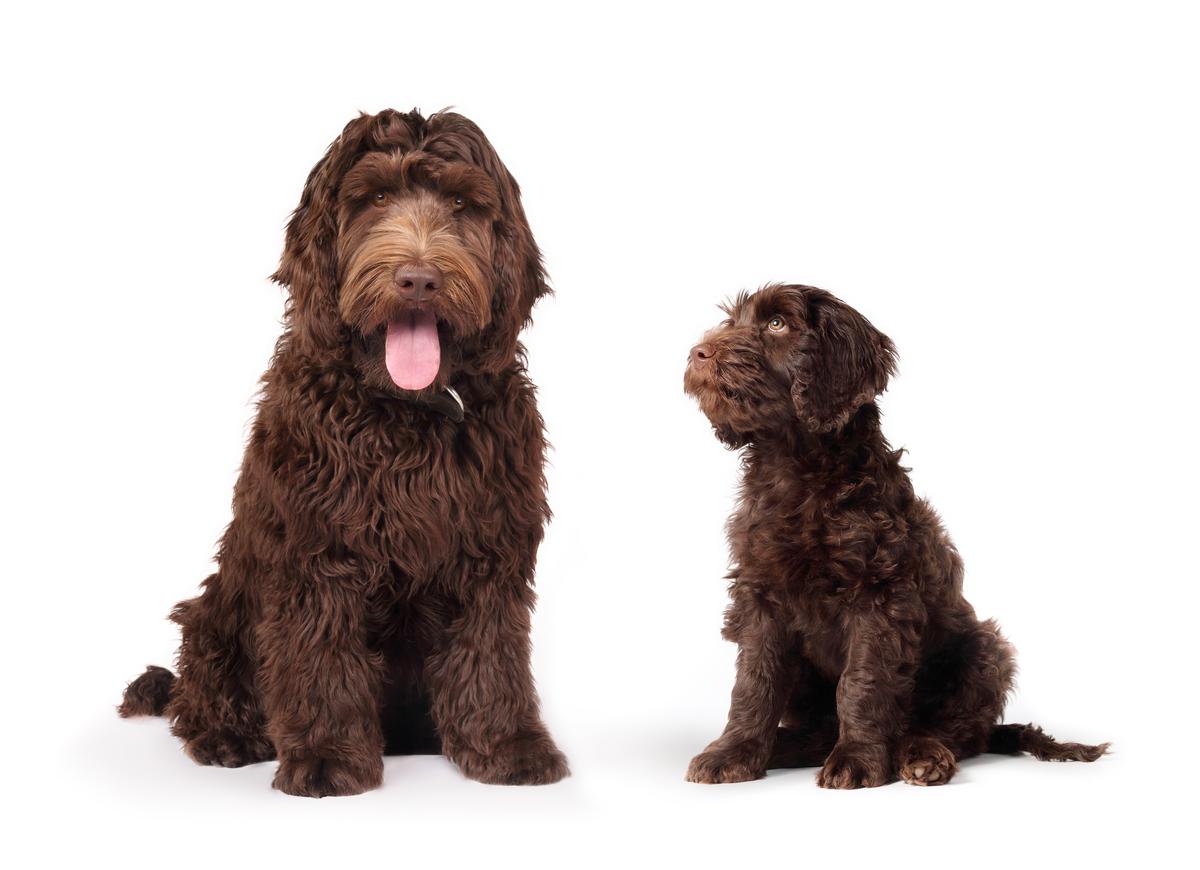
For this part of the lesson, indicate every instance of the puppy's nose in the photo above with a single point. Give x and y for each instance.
(702, 353)
(418, 282)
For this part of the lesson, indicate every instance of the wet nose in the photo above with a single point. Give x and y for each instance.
(418, 282)
(701, 353)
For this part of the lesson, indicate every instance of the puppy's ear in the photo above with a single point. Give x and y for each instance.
(309, 267)
(841, 363)
(518, 275)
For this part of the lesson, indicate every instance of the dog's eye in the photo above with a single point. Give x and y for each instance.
(776, 324)
(378, 198)
(459, 202)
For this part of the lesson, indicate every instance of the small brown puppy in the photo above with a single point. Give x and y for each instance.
(857, 650)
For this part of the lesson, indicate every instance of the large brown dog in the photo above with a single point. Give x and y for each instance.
(847, 593)
(374, 588)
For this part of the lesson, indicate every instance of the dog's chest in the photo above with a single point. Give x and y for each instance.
(812, 538)
(428, 498)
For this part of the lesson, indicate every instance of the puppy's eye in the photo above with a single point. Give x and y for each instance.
(776, 324)
(378, 198)
(459, 202)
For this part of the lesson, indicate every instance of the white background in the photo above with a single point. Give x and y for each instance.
(1009, 191)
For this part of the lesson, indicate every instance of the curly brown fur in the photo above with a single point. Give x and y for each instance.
(374, 587)
(857, 651)
(148, 694)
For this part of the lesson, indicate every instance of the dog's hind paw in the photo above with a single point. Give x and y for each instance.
(227, 748)
(926, 761)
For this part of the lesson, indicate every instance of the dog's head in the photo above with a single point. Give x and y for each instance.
(410, 247)
(787, 355)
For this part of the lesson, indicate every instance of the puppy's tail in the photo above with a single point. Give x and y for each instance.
(148, 694)
(1015, 739)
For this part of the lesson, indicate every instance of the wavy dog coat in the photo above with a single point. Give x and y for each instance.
(374, 587)
(858, 653)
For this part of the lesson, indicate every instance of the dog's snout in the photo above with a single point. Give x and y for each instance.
(418, 282)
(702, 353)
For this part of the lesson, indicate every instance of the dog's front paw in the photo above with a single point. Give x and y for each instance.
(529, 758)
(719, 763)
(855, 765)
(311, 775)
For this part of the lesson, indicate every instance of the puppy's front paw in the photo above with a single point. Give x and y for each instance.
(311, 775)
(855, 765)
(529, 758)
(719, 764)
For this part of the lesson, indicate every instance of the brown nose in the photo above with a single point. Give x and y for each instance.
(701, 353)
(418, 282)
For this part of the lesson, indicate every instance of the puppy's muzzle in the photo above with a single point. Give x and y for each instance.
(701, 354)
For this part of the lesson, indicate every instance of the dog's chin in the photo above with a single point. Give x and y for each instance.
(735, 420)
(715, 406)
(697, 384)
(728, 422)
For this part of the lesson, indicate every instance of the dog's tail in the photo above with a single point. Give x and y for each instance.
(148, 694)
(1015, 739)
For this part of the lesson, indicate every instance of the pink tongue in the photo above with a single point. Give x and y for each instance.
(413, 353)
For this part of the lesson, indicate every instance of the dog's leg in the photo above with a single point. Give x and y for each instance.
(213, 708)
(958, 698)
(321, 684)
(874, 693)
(484, 701)
(764, 666)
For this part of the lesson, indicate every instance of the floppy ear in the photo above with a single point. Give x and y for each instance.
(309, 267)
(842, 362)
(518, 275)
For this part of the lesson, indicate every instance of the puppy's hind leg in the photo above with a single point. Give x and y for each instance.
(959, 695)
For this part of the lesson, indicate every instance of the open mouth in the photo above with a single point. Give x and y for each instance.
(413, 351)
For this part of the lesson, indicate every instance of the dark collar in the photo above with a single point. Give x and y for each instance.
(448, 403)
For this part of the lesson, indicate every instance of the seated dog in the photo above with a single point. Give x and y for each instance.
(374, 588)
(857, 651)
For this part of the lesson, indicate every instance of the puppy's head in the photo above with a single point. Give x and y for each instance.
(410, 247)
(787, 356)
